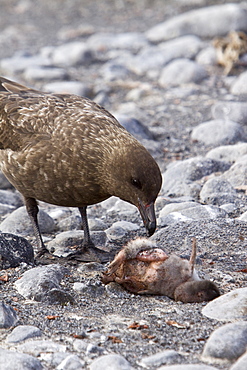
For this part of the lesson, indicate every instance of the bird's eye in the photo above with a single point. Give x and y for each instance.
(136, 183)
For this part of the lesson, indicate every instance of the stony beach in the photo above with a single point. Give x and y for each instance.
(155, 66)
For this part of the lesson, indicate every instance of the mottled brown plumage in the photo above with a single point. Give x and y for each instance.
(67, 150)
(144, 268)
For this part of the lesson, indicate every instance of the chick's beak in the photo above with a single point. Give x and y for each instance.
(148, 216)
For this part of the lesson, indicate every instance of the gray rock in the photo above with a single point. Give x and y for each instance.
(228, 307)
(196, 22)
(14, 250)
(8, 316)
(115, 233)
(10, 198)
(42, 284)
(36, 347)
(113, 70)
(133, 41)
(228, 153)
(207, 57)
(72, 54)
(93, 288)
(18, 222)
(182, 71)
(179, 178)
(45, 73)
(232, 110)
(237, 173)
(68, 87)
(218, 191)
(23, 332)
(240, 364)
(188, 367)
(115, 290)
(53, 359)
(239, 86)
(218, 132)
(71, 362)
(20, 62)
(226, 344)
(161, 358)
(96, 224)
(128, 226)
(18, 361)
(153, 58)
(176, 207)
(193, 213)
(110, 362)
(66, 243)
(243, 216)
(135, 127)
(117, 206)
(88, 348)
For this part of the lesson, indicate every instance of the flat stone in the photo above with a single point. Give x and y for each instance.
(232, 110)
(8, 316)
(182, 71)
(228, 307)
(72, 54)
(68, 87)
(228, 153)
(44, 73)
(240, 364)
(18, 361)
(72, 362)
(239, 86)
(15, 250)
(18, 222)
(36, 347)
(23, 332)
(195, 22)
(161, 358)
(218, 191)
(42, 284)
(226, 344)
(112, 361)
(217, 132)
(104, 41)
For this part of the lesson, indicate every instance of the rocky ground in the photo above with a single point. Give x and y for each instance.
(158, 73)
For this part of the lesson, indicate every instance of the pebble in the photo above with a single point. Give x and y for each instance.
(42, 284)
(18, 361)
(36, 347)
(68, 87)
(218, 191)
(228, 153)
(218, 132)
(239, 86)
(110, 362)
(226, 344)
(195, 22)
(8, 316)
(240, 364)
(228, 307)
(18, 223)
(44, 74)
(182, 71)
(236, 175)
(14, 250)
(188, 367)
(165, 357)
(71, 362)
(232, 110)
(72, 54)
(23, 332)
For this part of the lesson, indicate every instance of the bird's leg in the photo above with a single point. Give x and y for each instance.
(32, 210)
(87, 240)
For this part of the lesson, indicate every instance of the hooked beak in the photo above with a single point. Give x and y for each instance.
(148, 216)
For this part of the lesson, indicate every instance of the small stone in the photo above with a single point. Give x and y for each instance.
(110, 362)
(237, 173)
(104, 41)
(71, 362)
(8, 316)
(36, 347)
(182, 71)
(72, 54)
(239, 87)
(19, 223)
(42, 284)
(207, 57)
(226, 344)
(68, 87)
(234, 111)
(23, 332)
(217, 132)
(128, 226)
(241, 363)
(196, 22)
(228, 307)
(96, 224)
(228, 153)
(14, 250)
(18, 361)
(45, 74)
(135, 127)
(218, 191)
(165, 357)
(90, 288)
(188, 367)
(115, 232)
